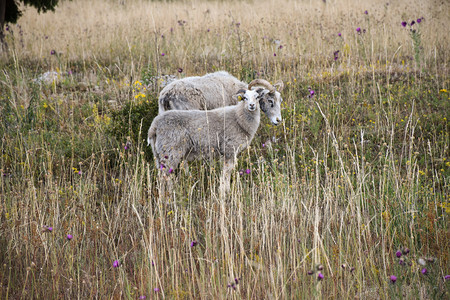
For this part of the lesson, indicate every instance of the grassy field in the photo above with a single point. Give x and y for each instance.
(348, 198)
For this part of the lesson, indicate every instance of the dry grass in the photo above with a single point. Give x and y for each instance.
(355, 173)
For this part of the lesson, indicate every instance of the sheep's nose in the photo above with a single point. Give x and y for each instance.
(252, 106)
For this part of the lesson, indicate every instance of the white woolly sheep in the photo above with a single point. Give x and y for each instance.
(215, 90)
(190, 134)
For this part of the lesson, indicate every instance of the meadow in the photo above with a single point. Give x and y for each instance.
(348, 198)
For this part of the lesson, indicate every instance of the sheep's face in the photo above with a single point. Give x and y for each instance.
(271, 105)
(250, 97)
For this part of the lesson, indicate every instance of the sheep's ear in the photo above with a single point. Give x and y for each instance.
(238, 97)
(279, 85)
(262, 92)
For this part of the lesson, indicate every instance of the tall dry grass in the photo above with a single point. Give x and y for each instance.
(356, 173)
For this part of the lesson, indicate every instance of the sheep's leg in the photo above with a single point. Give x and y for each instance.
(228, 167)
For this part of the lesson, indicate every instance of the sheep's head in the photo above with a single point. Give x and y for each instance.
(270, 98)
(250, 97)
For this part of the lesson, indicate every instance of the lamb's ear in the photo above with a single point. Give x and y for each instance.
(239, 95)
(279, 85)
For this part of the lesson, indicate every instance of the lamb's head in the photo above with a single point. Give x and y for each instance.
(270, 100)
(250, 97)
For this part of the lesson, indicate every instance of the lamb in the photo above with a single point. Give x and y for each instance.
(190, 134)
(215, 90)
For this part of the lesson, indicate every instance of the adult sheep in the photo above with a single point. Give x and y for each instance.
(216, 90)
(178, 135)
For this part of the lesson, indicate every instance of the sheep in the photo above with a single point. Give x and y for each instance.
(215, 90)
(190, 134)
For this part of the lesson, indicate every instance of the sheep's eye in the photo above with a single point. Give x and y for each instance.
(271, 102)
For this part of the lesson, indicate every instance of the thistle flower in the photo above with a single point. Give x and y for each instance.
(163, 54)
(419, 20)
(405, 251)
(170, 171)
(142, 297)
(339, 34)
(398, 253)
(248, 171)
(320, 276)
(413, 22)
(358, 30)
(447, 277)
(310, 272)
(156, 289)
(366, 12)
(393, 278)
(311, 92)
(116, 264)
(404, 24)
(424, 271)
(53, 52)
(194, 243)
(274, 54)
(180, 70)
(69, 237)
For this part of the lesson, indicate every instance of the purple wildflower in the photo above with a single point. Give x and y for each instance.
(419, 20)
(163, 54)
(241, 172)
(310, 272)
(352, 269)
(248, 171)
(156, 289)
(153, 263)
(142, 297)
(79, 172)
(116, 264)
(274, 54)
(405, 251)
(48, 228)
(162, 166)
(320, 276)
(180, 70)
(69, 72)
(53, 52)
(194, 243)
(7, 28)
(280, 47)
(447, 277)
(404, 24)
(401, 261)
(170, 171)
(358, 30)
(336, 55)
(413, 22)
(343, 266)
(311, 92)
(424, 271)
(393, 278)
(208, 30)
(366, 12)
(339, 34)
(398, 253)
(69, 237)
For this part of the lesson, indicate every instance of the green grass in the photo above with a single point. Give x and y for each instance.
(354, 174)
